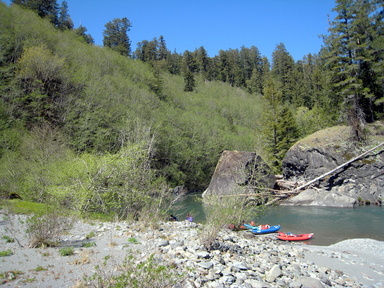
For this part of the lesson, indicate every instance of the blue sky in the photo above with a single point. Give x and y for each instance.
(214, 24)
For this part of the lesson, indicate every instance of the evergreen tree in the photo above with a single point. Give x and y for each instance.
(82, 32)
(163, 52)
(260, 71)
(279, 128)
(287, 133)
(272, 103)
(189, 81)
(174, 63)
(377, 56)
(254, 84)
(64, 20)
(229, 67)
(213, 69)
(282, 69)
(140, 52)
(250, 59)
(202, 61)
(116, 36)
(189, 67)
(350, 49)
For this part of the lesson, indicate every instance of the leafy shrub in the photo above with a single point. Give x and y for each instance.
(133, 240)
(6, 253)
(8, 239)
(223, 211)
(88, 244)
(40, 268)
(137, 274)
(90, 235)
(66, 251)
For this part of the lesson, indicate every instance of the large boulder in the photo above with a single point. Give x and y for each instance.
(362, 180)
(239, 172)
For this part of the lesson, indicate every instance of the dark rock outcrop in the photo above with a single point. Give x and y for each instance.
(361, 180)
(239, 172)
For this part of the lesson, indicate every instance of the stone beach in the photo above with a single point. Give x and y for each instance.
(238, 259)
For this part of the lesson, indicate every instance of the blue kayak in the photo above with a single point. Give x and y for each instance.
(264, 230)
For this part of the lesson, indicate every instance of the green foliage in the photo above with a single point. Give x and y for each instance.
(279, 129)
(90, 235)
(351, 56)
(40, 268)
(24, 207)
(66, 251)
(45, 9)
(134, 273)
(133, 240)
(223, 211)
(8, 239)
(88, 244)
(311, 120)
(6, 253)
(282, 69)
(98, 132)
(116, 36)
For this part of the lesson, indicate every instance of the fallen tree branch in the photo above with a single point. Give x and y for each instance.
(333, 170)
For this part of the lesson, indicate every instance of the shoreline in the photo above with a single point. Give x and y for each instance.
(241, 259)
(361, 257)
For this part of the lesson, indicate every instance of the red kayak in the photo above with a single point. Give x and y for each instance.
(294, 237)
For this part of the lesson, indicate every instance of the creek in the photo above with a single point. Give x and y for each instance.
(330, 224)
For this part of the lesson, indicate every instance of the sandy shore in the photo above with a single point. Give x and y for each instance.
(361, 259)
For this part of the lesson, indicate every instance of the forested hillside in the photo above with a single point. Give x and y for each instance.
(98, 128)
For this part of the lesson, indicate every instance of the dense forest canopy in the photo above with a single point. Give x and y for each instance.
(90, 125)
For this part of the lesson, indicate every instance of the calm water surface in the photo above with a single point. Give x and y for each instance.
(330, 225)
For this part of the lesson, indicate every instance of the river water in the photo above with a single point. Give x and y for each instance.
(330, 224)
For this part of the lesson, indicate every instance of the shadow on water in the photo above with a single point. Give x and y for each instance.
(330, 224)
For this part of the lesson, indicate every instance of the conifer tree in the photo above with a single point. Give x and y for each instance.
(64, 20)
(272, 103)
(250, 60)
(174, 63)
(350, 49)
(279, 128)
(202, 61)
(163, 52)
(287, 133)
(82, 31)
(189, 67)
(254, 84)
(116, 35)
(282, 69)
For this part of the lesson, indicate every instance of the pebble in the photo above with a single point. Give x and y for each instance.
(235, 260)
(240, 261)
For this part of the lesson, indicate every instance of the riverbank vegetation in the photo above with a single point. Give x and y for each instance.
(109, 129)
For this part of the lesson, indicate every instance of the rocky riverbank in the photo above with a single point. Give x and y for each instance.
(239, 259)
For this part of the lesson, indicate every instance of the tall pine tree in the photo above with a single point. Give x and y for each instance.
(282, 69)
(64, 20)
(189, 67)
(279, 128)
(351, 58)
(116, 36)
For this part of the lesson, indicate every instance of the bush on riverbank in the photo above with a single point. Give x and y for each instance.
(221, 212)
